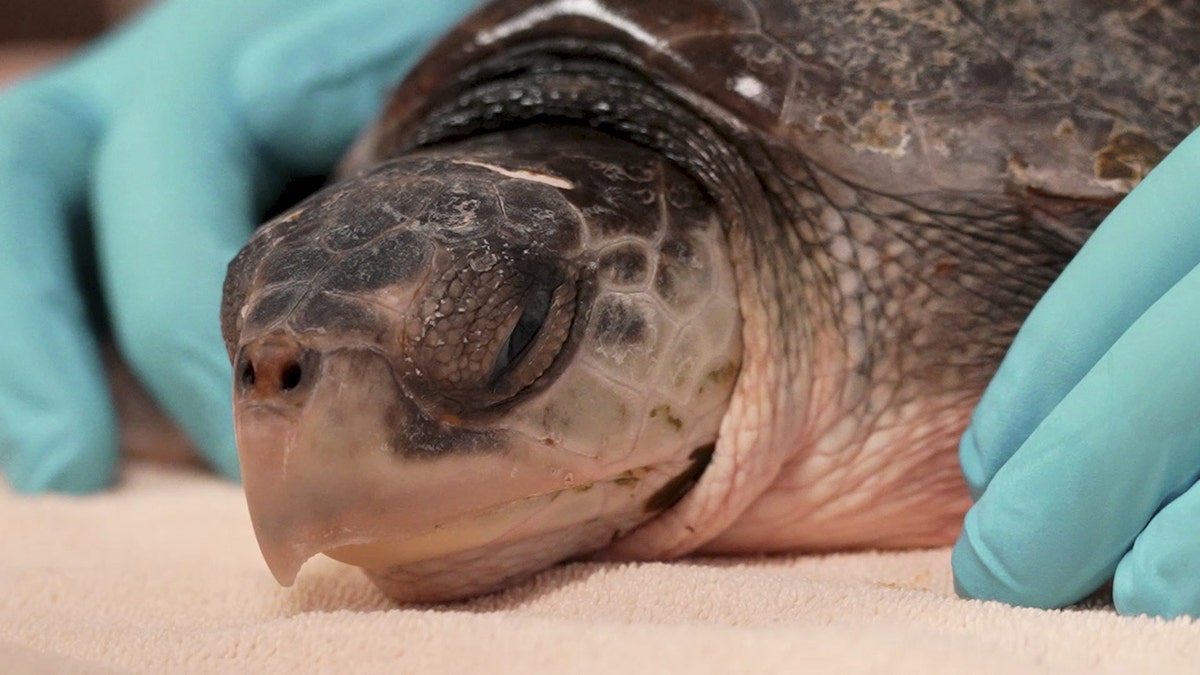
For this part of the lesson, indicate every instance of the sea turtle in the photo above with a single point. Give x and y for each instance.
(637, 279)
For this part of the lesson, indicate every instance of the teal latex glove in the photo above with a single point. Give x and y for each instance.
(1085, 449)
(150, 156)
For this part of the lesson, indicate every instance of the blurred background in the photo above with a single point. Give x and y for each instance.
(34, 33)
(59, 20)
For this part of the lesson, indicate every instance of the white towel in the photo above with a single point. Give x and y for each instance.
(163, 575)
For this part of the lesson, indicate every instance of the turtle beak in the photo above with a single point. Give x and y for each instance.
(336, 458)
(301, 439)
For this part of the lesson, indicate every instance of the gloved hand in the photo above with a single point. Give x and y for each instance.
(1085, 449)
(151, 156)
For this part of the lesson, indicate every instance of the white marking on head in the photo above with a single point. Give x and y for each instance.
(524, 174)
(748, 86)
(589, 8)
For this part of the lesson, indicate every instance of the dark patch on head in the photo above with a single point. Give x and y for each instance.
(627, 479)
(396, 258)
(324, 311)
(676, 252)
(619, 196)
(681, 277)
(467, 209)
(377, 204)
(674, 490)
(538, 214)
(723, 374)
(357, 224)
(689, 205)
(614, 211)
(619, 323)
(668, 416)
(415, 435)
(995, 76)
(1129, 156)
(831, 122)
(624, 265)
(293, 263)
(273, 306)
(300, 226)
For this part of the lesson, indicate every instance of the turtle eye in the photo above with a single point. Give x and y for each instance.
(521, 337)
(534, 342)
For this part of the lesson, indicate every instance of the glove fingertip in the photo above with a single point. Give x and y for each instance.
(1157, 576)
(1146, 589)
(973, 575)
(971, 462)
(981, 570)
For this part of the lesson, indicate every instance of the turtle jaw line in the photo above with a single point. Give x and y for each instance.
(296, 472)
(445, 539)
(269, 408)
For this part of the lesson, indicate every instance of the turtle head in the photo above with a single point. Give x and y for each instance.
(444, 374)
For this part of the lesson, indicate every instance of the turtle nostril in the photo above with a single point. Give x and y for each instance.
(290, 377)
(275, 365)
(248, 375)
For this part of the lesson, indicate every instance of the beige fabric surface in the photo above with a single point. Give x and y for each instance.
(163, 575)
